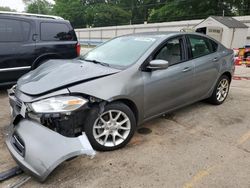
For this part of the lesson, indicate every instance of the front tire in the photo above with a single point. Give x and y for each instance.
(221, 91)
(112, 129)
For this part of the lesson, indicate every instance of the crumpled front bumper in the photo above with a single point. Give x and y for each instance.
(39, 150)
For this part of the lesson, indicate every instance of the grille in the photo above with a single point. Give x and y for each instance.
(18, 144)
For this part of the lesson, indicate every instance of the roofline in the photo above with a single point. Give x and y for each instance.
(163, 34)
(213, 17)
(243, 25)
(31, 15)
(206, 19)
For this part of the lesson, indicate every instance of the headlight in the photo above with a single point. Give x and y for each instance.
(58, 104)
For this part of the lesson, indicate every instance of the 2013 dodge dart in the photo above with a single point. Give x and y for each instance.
(65, 107)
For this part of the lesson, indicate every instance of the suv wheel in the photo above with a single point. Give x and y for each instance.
(112, 129)
(220, 91)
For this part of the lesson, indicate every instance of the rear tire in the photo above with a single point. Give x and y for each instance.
(221, 91)
(112, 129)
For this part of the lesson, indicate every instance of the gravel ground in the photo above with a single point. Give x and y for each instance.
(198, 146)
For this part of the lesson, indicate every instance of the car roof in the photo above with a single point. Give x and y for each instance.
(164, 34)
(155, 34)
(33, 17)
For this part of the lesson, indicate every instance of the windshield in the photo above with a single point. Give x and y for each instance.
(120, 52)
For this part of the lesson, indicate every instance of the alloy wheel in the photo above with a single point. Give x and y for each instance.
(111, 128)
(222, 90)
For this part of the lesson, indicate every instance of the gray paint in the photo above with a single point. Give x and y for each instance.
(60, 73)
(153, 93)
(45, 149)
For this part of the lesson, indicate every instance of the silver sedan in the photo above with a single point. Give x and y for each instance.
(65, 107)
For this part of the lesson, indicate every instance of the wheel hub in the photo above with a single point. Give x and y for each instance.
(111, 128)
(222, 90)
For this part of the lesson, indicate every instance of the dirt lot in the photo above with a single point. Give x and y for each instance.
(198, 146)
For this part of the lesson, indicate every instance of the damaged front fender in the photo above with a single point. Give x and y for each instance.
(39, 150)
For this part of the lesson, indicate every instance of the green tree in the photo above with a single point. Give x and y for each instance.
(242, 7)
(72, 10)
(84, 13)
(39, 7)
(139, 9)
(192, 9)
(104, 14)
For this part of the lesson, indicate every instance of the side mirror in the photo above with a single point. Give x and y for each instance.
(158, 64)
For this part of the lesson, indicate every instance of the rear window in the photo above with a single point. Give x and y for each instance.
(201, 46)
(56, 32)
(214, 45)
(14, 30)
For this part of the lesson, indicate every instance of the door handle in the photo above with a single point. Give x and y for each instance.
(35, 37)
(186, 69)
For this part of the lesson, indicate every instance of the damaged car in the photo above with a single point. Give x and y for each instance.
(66, 108)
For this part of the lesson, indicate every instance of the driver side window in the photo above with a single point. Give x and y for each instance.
(171, 51)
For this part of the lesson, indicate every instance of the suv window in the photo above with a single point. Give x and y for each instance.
(171, 51)
(201, 46)
(14, 30)
(56, 31)
(26, 30)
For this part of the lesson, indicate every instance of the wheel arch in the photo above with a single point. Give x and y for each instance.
(131, 105)
(228, 74)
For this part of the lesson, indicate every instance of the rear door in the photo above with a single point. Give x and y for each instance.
(57, 39)
(17, 49)
(203, 52)
(172, 87)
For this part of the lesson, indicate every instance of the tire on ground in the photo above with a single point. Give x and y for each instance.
(93, 116)
(213, 99)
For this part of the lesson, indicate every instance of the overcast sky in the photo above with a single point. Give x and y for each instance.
(15, 4)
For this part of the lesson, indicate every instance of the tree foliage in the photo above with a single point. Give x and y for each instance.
(95, 13)
(106, 15)
(73, 10)
(192, 9)
(91, 12)
(39, 7)
(138, 9)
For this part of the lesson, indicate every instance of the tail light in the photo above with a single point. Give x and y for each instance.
(78, 49)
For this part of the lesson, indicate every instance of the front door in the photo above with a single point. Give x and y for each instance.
(172, 87)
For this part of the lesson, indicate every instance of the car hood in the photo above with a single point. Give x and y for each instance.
(56, 74)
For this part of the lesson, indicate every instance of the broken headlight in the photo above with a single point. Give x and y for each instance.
(58, 104)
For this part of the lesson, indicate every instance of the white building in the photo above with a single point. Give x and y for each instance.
(232, 32)
(227, 30)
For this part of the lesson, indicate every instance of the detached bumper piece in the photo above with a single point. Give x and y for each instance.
(39, 150)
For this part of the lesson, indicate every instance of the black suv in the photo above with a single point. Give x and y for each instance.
(28, 40)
